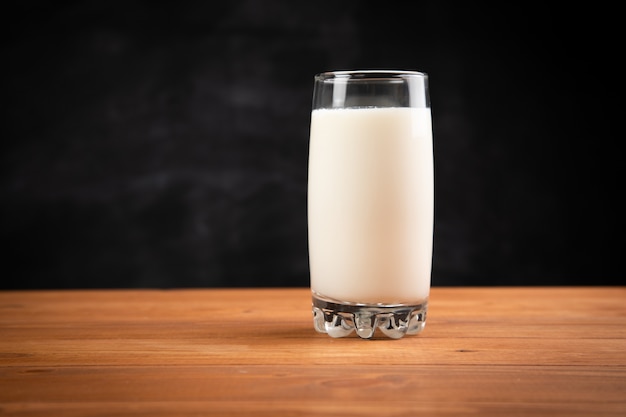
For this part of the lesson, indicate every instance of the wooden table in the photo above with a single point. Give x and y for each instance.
(253, 352)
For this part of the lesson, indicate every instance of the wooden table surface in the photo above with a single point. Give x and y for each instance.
(253, 352)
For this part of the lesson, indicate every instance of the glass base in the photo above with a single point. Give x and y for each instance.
(339, 319)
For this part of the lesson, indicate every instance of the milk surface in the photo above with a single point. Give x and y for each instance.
(370, 204)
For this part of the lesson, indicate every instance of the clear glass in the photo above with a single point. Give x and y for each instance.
(370, 202)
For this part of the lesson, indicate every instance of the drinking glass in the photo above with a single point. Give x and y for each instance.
(370, 202)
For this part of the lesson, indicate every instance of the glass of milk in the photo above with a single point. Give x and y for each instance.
(370, 202)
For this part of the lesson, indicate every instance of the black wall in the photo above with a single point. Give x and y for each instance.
(164, 144)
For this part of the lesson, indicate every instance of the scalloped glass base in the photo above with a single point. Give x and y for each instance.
(340, 319)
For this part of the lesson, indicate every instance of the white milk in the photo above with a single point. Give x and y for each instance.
(370, 204)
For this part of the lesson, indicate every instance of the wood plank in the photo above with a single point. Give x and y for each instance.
(464, 383)
(345, 408)
(388, 389)
(174, 349)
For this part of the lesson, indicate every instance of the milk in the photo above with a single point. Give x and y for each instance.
(370, 204)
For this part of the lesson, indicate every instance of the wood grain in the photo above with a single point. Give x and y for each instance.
(485, 351)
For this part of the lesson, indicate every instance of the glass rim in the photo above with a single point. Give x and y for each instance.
(371, 74)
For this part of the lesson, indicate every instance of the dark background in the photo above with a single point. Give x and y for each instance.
(156, 144)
